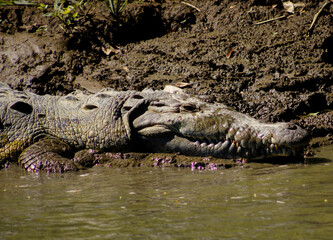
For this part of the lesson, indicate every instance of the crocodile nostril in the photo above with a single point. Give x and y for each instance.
(188, 107)
(292, 126)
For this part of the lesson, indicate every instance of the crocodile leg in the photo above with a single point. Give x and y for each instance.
(10, 150)
(48, 155)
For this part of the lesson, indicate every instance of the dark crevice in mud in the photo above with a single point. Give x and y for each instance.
(18, 17)
(141, 22)
(328, 53)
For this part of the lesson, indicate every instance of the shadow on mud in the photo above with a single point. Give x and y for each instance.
(314, 160)
(293, 160)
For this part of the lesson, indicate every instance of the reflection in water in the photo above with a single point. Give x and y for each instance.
(261, 201)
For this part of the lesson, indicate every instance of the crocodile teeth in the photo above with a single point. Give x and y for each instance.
(244, 148)
(226, 145)
(211, 145)
(231, 133)
(268, 150)
(247, 153)
(273, 140)
(203, 144)
(232, 148)
(244, 143)
(239, 150)
(293, 151)
(218, 145)
(253, 151)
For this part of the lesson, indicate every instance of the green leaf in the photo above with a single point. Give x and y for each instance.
(49, 14)
(11, 3)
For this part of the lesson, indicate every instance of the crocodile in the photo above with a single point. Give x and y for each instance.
(41, 132)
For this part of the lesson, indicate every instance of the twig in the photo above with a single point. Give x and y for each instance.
(327, 3)
(196, 8)
(192, 6)
(272, 19)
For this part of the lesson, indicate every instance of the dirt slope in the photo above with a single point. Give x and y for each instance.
(275, 71)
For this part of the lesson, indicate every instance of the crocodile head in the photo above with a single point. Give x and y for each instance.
(177, 122)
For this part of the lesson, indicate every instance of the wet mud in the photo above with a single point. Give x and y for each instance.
(273, 71)
(91, 158)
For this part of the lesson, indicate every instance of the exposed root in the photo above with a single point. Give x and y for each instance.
(315, 18)
(196, 8)
(271, 20)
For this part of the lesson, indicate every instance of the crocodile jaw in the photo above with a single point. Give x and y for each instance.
(220, 135)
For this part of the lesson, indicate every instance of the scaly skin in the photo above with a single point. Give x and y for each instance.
(42, 132)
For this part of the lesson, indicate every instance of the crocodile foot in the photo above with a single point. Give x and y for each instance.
(49, 155)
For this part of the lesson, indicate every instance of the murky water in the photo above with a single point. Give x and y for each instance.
(260, 202)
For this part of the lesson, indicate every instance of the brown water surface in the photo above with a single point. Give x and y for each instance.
(263, 201)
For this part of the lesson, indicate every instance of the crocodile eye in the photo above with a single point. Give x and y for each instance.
(292, 126)
(188, 107)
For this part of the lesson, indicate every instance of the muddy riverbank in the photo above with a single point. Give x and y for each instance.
(274, 71)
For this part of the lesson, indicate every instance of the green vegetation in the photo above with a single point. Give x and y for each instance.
(116, 7)
(72, 14)
(12, 3)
